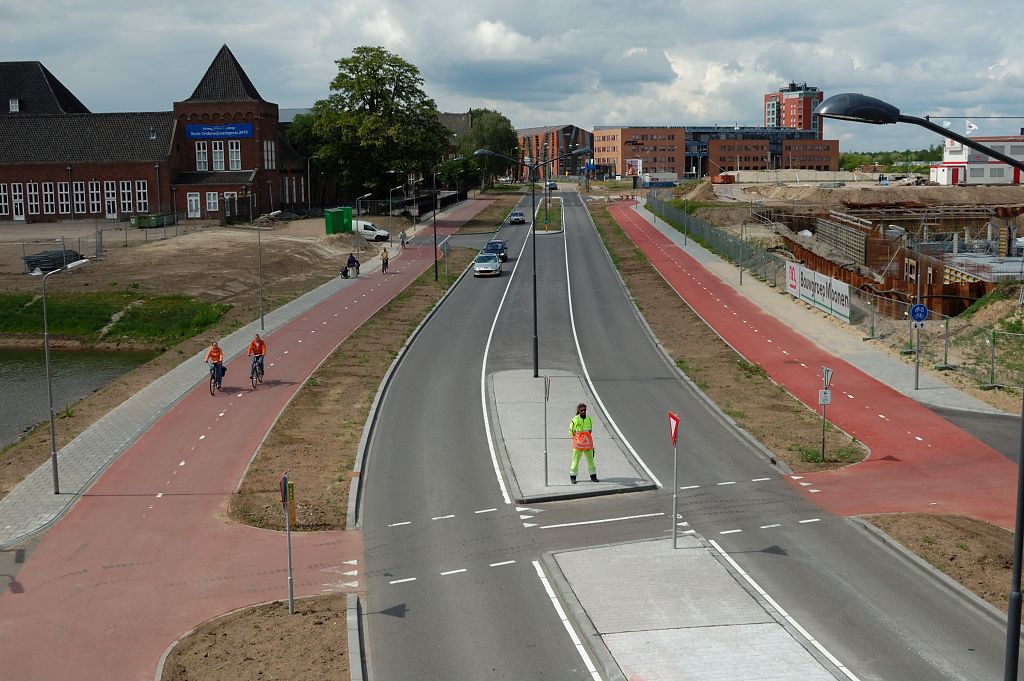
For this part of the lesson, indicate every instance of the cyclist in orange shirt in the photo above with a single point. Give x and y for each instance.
(215, 356)
(257, 350)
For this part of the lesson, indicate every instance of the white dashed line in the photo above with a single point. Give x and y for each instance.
(486, 510)
(444, 517)
(690, 487)
(810, 520)
(919, 438)
(729, 531)
(182, 463)
(407, 522)
(726, 483)
(765, 527)
(504, 562)
(202, 437)
(402, 581)
(158, 496)
(759, 479)
(453, 572)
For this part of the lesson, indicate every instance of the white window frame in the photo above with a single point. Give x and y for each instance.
(218, 154)
(192, 201)
(48, 199)
(230, 201)
(997, 171)
(976, 172)
(284, 189)
(17, 199)
(201, 163)
(14, 105)
(32, 194)
(212, 202)
(109, 197)
(78, 194)
(142, 196)
(234, 154)
(95, 197)
(269, 155)
(64, 198)
(5, 207)
(126, 197)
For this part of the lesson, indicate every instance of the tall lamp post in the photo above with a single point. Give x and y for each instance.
(391, 210)
(850, 106)
(433, 215)
(532, 170)
(49, 379)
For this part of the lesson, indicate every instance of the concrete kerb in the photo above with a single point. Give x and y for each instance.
(969, 598)
(757, 447)
(589, 636)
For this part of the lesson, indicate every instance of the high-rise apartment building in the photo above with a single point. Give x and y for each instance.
(793, 107)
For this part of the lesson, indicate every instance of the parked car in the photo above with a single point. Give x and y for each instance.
(552, 184)
(369, 231)
(497, 247)
(487, 264)
(507, 179)
(517, 217)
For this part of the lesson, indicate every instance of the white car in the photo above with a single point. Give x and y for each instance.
(369, 231)
(517, 217)
(487, 265)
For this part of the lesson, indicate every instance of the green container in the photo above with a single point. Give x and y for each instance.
(338, 220)
(134, 220)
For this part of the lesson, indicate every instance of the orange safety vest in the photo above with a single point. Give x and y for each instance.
(582, 440)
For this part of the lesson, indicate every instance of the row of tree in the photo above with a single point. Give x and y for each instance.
(378, 127)
(906, 160)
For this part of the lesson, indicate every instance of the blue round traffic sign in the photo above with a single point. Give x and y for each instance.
(918, 312)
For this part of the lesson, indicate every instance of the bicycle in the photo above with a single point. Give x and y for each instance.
(213, 378)
(256, 373)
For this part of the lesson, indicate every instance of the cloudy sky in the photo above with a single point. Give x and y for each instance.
(657, 62)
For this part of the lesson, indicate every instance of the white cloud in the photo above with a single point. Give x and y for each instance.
(544, 63)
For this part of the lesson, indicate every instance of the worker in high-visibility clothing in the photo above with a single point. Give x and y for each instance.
(581, 431)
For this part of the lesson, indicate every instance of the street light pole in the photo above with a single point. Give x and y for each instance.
(532, 169)
(433, 217)
(849, 106)
(259, 268)
(391, 211)
(49, 377)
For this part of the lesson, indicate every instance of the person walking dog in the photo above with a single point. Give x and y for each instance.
(581, 431)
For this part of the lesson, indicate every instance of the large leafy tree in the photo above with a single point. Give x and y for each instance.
(490, 130)
(377, 123)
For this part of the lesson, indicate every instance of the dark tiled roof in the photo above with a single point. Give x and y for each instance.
(225, 81)
(458, 123)
(86, 138)
(215, 177)
(37, 90)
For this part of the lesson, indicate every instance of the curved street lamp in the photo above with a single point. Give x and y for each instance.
(49, 381)
(532, 168)
(851, 106)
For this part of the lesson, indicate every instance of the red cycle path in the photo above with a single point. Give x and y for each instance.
(919, 462)
(148, 553)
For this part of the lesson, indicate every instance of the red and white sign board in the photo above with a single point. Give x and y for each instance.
(673, 426)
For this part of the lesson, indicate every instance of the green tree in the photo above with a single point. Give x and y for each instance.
(377, 122)
(490, 130)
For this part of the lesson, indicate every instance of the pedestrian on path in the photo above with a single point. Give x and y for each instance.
(384, 260)
(581, 431)
(403, 238)
(352, 264)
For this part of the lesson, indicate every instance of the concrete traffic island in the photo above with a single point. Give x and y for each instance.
(516, 402)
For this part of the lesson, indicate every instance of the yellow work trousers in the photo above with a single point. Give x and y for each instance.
(575, 466)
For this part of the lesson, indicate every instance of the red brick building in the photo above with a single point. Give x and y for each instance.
(545, 144)
(793, 107)
(660, 149)
(218, 153)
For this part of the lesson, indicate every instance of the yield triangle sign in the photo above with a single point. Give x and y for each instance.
(673, 426)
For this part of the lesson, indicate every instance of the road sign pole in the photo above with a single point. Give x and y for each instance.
(917, 359)
(547, 384)
(823, 433)
(675, 493)
(285, 498)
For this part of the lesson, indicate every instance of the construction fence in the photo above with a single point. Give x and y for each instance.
(983, 355)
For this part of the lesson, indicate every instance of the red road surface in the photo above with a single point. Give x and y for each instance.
(919, 462)
(148, 553)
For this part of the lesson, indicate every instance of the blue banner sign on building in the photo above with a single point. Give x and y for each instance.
(207, 132)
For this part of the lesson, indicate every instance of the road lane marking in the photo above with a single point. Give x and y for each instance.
(850, 675)
(158, 496)
(181, 463)
(690, 487)
(504, 562)
(602, 520)
(407, 522)
(810, 520)
(759, 479)
(566, 623)
(485, 510)
(729, 531)
(765, 527)
(444, 517)
(402, 581)
(453, 572)
(726, 483)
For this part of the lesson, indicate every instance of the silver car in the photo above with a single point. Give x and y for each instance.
(486, 265)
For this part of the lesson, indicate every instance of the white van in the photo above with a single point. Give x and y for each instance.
(369, 231)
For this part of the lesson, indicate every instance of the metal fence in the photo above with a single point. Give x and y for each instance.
(91, 240)
(982, 355)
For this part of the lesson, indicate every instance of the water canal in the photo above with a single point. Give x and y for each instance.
(76, 373)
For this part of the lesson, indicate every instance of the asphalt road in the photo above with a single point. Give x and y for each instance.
(445, 599)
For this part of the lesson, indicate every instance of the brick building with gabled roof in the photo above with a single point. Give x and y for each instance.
(218, 153)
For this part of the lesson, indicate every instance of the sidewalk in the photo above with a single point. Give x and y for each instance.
(32, 506)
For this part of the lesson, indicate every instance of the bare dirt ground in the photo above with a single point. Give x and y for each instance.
(264, 642)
